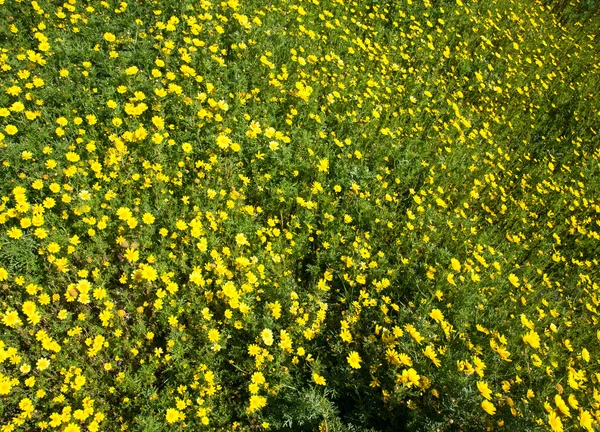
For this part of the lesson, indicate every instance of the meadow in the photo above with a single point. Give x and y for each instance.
(299, 215)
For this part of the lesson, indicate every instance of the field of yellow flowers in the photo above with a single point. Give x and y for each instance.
(299, 215)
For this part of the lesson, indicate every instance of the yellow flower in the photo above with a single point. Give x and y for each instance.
(131, 70)
(318, 379)
(555, 422)
(267, 337)
(5, 386)
(258, 378)
(585, 354)
(15, 233)
(323, 165)
(346, 335)
(514, 280)
(430, 353)
(484, 389)
(455, 264)
(17, 107)
(562, 406)
(585, 421)
(172, 415)
(11, 129)
(26, 405)
(158, 122)
(532, 338)
(214, 335)
(437, 315)
(148, 218)
(354, 360)
(11, 319)
(109, 37)
(223, 141)
(149, 273)
(409, 377)
(72, 428)
(241, 240)
(28, 307)
(42, 364)
(132, 255)
(488, 407)
(256, 403)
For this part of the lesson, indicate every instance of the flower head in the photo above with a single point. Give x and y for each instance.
(354, 360)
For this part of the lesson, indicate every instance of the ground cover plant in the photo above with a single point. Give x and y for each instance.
(299, 215)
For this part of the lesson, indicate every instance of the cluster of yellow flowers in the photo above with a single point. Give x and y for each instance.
(207, 207)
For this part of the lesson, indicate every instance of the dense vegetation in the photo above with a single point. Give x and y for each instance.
(299, 215)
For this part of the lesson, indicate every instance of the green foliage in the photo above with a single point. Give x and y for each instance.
(304, 215)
